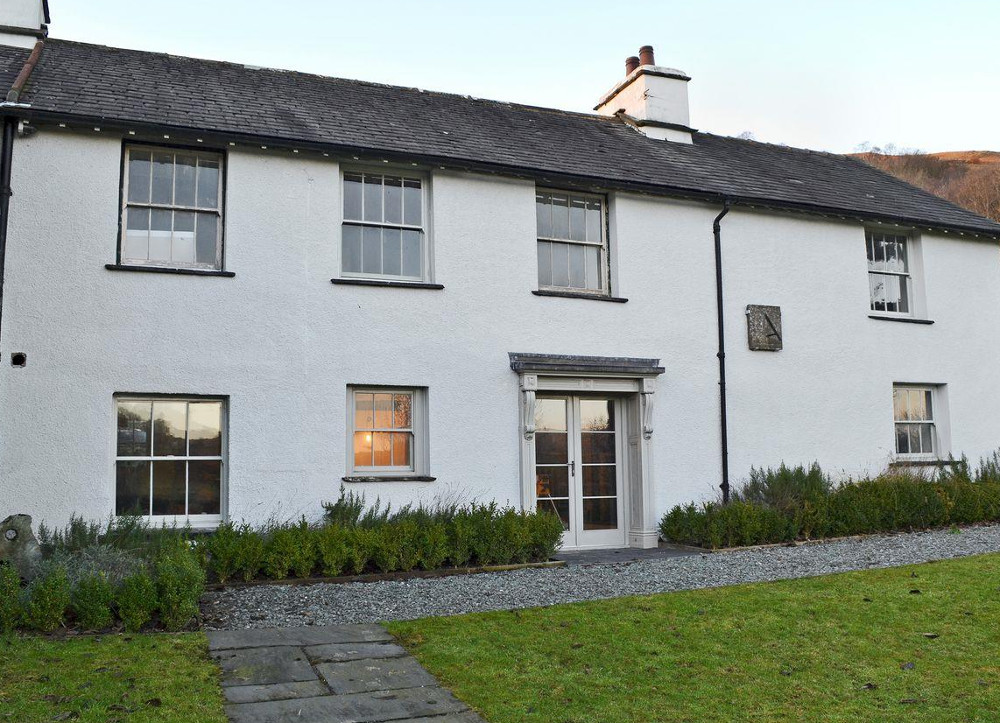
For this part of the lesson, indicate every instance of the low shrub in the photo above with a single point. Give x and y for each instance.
(47, 598)
(332, 542)
(91, 602)
(10, 593)
(386, 548)
(290, 549)
(360, 549)
(433, 545)
(790, 504)
(136, 601)
(222, 548)
(180, 581)
(546, 530)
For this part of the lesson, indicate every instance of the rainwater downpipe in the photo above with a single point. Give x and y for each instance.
(6, 154)
(724, 437)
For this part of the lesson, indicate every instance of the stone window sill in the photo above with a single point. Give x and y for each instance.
(392, 284)
(924, 463)
(578, 295)
(168, 270)
(904, 319)
(389, 478)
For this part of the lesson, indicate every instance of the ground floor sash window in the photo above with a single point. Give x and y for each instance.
(169, 457)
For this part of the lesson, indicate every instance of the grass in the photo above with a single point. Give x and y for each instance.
(157, 677)
(850, 647)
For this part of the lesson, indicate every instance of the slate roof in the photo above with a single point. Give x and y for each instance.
(153, 89)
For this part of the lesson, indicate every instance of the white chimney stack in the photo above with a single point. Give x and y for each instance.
(23, 22)
(652, 98)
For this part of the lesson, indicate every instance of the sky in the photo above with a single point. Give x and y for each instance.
(822, 74)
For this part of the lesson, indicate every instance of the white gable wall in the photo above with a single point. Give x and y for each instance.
(283, 343)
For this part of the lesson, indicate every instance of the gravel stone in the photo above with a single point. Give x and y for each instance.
(268, 606)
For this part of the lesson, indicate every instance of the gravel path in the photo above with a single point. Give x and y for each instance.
(268, 606)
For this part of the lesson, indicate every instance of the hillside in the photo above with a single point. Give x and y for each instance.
(969, 178)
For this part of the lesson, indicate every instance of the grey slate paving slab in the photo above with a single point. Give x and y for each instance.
(278, 691)
(312, 635)
(263, 666)
(359, 676)
(356, 708)
(341, 652)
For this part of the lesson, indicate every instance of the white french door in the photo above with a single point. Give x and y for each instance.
(578, 468)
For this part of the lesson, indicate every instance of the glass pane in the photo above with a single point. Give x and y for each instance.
(891, 284)
(544, 263)
(138, 176)
(169, 488)
(597, 415)
(560, 216)
(402, 411)
(208, 183)
(364, 414)
(382, 444)
(600, 480)
(550, 415)
(870, 248)
(594, 278)
(132, 488)
(577, 266)
(371, 250)
(183, 248)
(352, 196)
(899, 404)
(163, 178)
(902, 439)
(351, 248)
(914, 431)
(578, 219)
(916, 403)
(205, 488)
(208, 239)
(560, 265)
(597, 447)
(550, 448)
(161, 223)
(543, 215)
(373, 198)
(383, 411)
(401, 449)
(136, 234)
(600, 514)
(205, 429)
(928, 411)
(393, 200)
(133, 428)
(184, 181)
(412, 254)
(927, 438)
(362, 449)
(552, 481)
(169, 427)
(412, 201)
(594, 221)
(878, 253)
(391, 252)
(904, 303)
(557, 507)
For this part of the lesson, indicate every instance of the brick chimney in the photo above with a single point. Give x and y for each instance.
(23, 22)
(651, 97)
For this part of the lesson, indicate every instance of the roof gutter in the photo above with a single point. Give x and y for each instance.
(720, 315)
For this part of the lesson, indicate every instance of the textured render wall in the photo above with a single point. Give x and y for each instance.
(283, 343)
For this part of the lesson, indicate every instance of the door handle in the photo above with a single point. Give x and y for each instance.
(572, 468)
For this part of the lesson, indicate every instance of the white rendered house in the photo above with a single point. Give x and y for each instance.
(524, 307)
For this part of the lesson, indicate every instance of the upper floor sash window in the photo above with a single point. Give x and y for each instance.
(572, 243)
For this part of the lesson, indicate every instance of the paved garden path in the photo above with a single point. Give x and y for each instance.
(334, 674)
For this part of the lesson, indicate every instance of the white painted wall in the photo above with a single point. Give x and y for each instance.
(26, 14)
(283, 342)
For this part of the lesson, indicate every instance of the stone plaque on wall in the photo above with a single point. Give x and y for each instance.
(764, 327)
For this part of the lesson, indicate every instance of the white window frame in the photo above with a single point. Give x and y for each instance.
(426, 256)
(419, 423)
(905, 277)
(126, 204)
(197, 520)
(933, 422)
(605, 259)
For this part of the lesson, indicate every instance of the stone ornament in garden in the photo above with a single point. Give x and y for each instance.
(18, 545)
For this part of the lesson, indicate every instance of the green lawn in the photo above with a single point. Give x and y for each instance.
(106, 678)
(850, 647)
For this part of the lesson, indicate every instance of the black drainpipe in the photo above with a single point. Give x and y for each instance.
(6, 154)
(717, 231)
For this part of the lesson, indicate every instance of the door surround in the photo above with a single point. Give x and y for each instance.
(632, 379)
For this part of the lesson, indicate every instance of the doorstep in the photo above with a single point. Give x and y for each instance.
(335, 674)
